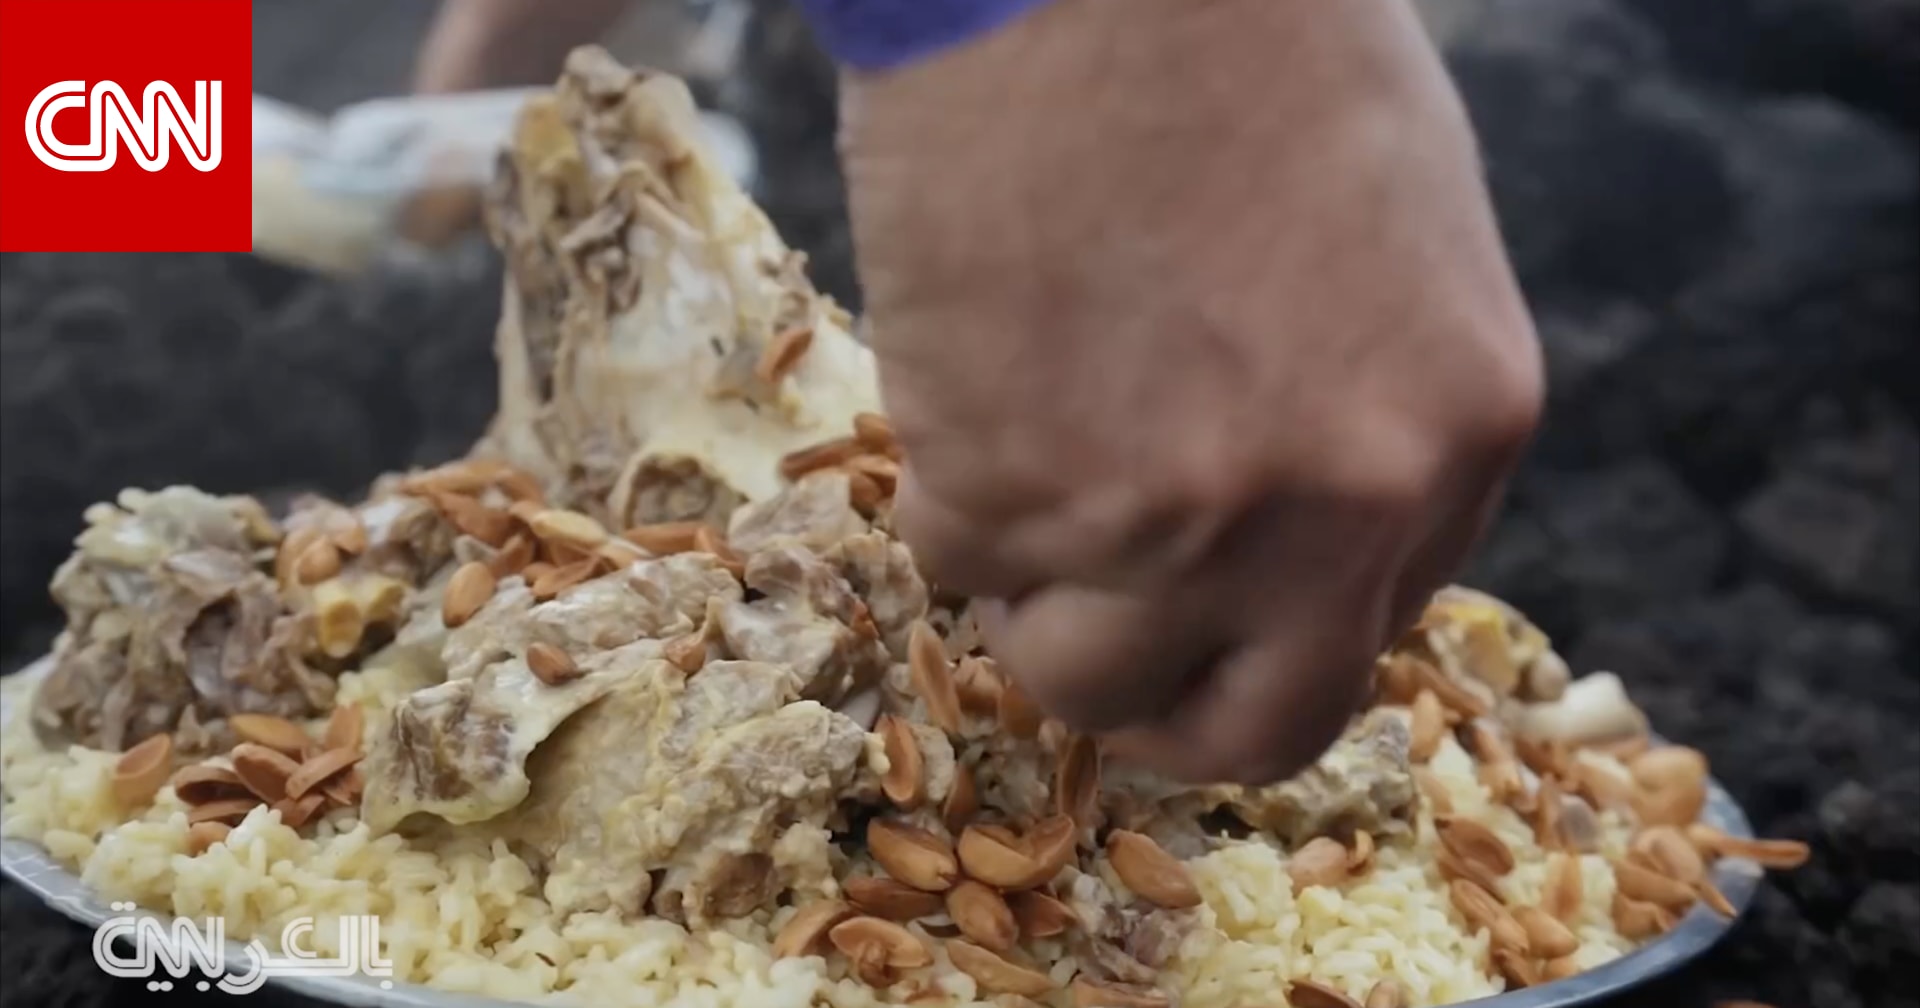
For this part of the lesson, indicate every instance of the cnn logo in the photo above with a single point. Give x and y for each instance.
(149, 132)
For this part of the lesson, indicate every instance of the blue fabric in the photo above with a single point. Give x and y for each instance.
(883, 34)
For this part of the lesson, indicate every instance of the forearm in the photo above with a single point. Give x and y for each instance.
(478, 44)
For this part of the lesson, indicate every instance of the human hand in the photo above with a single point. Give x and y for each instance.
(1197, 329)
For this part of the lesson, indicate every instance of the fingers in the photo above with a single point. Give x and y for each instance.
(1263, 715)
(1097, 660)
(952, 549)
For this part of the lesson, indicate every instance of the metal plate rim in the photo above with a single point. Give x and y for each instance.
(33, 869)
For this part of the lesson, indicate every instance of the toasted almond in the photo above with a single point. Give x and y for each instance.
(551, 665)
(863, 491)
(1018, 714)
(348, 533)
(224, 810)
(297, 812)
(890, 899)
(469, 589)
(1473, 841)
(1453, 696)
(664, 538)
(904, 950)
(140, 771)
(1090, 993)
(1321, 861)
(996, 975)
(782, 353)
(1515, 968)
(338, 623)
(319, 768)
(202, 835)
(1545, 757)
(1076, 780)
(706, 540)
(1386, 994)
(882, 470)
(1040, 914)
(1565, 888)
(1715, 900)
(345, 789)
(804, 931)
(292, 547)
(913, 855)
(1504, 783)
(962, 802)
(1602, 785)
(1777, 855)
(461, 476)
(825, 455)
(318, 562)
(533, 572)
(469, 516)
(512, 558)
(558, 525)
(1547, 938)
(1314, 994)
(874, 433)
(563, 577)
(618, 554)
(982, 914)
(1439, 799)
(522, 511)
(1559, 969)
(1489, 654)
(269, 730)
(264, 771)
(999, 859)
(520, 485)
(1636, 919)
(1484, 743)
(1637, 883)
(978, 685)
(1452, 866)
(1482, 909)
(1360, 855)
(1394, 681)
(1545, 816)
(905, 782)
(345, 727)
(933, 677)
(1428, 726)
(1152, 873)
(687, 652)
(1666, 850)
(199, 783)
(1672, 785)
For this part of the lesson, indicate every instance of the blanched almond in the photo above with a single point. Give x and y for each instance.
(864, 492)
(782, 354)
(825, 455)
(1090, 993)
(903, 950)
(1386, 994)
(1515, 968)
(1637, 919)
(983, 915)
(346, 727)
(1314, 994)
(468, 590)
(1672, 785)
(1428, 726)
(1482, 909)
(570, 527)
(891, 899)
(1152, 873)
(1545, 757)
(1547, 938)
(1040, 914)
(1635, 882)
(1076, 780)
(804, 931)
(297, 812)
(664, 538)
(932, 677)
(318, 769)
(563, 577)
(202, 835)
(1667, 851)
(140, 771)
(513, 557)
(1565, 888)
(224, 810)
(905, 782)
(1559, 969)
(1715, 900)
(1474, 842)
(318, 562)
(264, 771)
(873, 432)
(271, 731)
(200, 783)
(978, 683)
(914, 856)
(1778, 855)
(996, 975)
(962, 801)
(489, 525)
(551, 665)
(1322, 861)
(1454, 867)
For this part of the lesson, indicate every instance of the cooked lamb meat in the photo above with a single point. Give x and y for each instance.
(716, 768)
(806, 623)
(816, 513)
(881, 570)
(170, 618)
(670, 488)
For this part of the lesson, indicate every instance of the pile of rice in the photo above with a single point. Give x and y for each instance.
(468, 917)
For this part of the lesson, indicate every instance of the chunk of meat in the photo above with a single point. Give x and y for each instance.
(715, 771)
(805, 623)
(881, 572)
(1365, 782)
(670, 488)
(815, 513)
(458, 750)
(170, 618)
(1129, 944)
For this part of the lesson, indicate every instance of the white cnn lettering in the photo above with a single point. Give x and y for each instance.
(149, 132)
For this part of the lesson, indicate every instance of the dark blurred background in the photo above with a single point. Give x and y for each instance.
(1711, 203)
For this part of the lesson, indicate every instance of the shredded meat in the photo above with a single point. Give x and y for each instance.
(804, 621)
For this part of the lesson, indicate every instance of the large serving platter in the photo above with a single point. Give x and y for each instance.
(32, 868)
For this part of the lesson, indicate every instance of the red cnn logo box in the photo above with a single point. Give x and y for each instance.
(111, 137)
